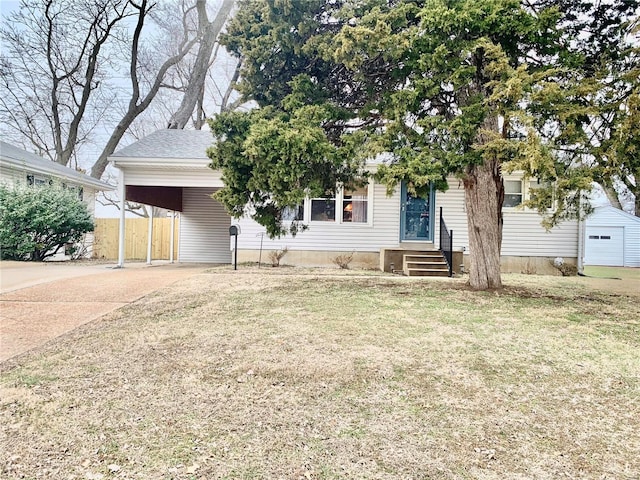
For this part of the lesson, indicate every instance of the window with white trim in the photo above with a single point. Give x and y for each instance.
(323, 209)
(512, 193)
(37, 181)
(291, 214)
(537, 185)
(349, 206)
(355, 205)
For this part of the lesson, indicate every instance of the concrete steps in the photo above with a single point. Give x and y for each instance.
(425, 264)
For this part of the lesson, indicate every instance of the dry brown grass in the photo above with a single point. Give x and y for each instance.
(327, 375)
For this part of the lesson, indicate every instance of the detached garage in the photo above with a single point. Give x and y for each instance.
(612, 238)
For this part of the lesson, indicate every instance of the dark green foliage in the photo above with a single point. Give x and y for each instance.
(36, 221)
(468, 88)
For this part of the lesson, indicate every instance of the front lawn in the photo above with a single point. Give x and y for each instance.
(309, 375)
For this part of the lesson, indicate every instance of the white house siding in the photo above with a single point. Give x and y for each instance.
(383, 230)
(523, 235)
(181, 177)
(609, 221)
(454, 214)
(10, 176)
(632, 246)
(204, 228)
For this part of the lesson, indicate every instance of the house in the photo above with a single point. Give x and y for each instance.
(22, 167)
(612, 238)
(169, 169)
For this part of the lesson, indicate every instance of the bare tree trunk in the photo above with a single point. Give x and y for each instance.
(484, 194)
(137, 106)
(209, 32)
(97, 35)
(612, 196)
(225, 106)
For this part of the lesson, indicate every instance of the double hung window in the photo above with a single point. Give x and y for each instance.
(347, 206)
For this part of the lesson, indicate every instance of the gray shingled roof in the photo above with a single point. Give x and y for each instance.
(19, 158)
(169, 144)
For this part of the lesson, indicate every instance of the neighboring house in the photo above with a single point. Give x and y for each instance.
(22, 167)
(169, 169)
(612, 238)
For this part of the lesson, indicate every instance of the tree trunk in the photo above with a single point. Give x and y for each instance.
(484, 194)
(612, 196)
(195, 86)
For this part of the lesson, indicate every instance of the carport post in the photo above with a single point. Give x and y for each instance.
(173, 229)
(123, 190)
(150, 234)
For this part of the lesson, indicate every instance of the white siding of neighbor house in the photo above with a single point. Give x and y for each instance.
(11, 176)
(204, 228)
(608, 217)
(523, 234)
(382, 230)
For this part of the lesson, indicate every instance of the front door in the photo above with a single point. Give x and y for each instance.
(416, 216)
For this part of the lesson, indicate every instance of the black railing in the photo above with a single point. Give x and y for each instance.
(446, 243)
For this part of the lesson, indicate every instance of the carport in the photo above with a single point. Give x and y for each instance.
(170, 169)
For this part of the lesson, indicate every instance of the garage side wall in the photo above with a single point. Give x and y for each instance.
(612, 238)
(204, 228)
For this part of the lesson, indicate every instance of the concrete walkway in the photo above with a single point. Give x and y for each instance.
(39, 302)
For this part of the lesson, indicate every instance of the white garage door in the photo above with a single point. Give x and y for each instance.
(604, 246)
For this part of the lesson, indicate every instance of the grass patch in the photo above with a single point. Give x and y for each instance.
(326, 376)
(613, 272)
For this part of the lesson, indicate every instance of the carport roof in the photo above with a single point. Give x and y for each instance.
(169, 143)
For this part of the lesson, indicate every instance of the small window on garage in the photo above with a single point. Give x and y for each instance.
(605, 237)
(594, 237)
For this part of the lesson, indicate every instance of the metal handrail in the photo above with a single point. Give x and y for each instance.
(446, 243)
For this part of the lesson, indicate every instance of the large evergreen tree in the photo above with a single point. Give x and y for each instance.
(450, 87)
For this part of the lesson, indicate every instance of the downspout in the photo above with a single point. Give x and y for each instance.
(580, 259)
(122, 194)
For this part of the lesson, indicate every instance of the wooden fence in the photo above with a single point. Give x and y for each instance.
(136, 234)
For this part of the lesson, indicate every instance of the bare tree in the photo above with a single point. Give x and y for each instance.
(138, 101)
(55, 87)
(194, 91)
(62, 61)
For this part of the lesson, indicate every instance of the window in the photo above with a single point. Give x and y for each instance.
(512, 193)
(537, 189)
(38, 181)
(355, 204)
(348, 206)
(323, 210)
(290, 214)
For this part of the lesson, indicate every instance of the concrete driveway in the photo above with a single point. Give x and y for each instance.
(40, 301)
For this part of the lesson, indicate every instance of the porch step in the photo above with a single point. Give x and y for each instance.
(422, 272)
(425, 264)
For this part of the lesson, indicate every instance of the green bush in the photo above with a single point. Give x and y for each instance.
(37, 221)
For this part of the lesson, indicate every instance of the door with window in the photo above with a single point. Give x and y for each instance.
(416, 216)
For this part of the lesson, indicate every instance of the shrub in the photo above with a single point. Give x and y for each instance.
(276, 255)
(566, 269)
(37, 221)
(344, 260)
